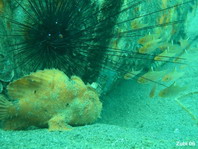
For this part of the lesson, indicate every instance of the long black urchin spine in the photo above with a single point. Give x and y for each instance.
(83, 38)
(103, 34)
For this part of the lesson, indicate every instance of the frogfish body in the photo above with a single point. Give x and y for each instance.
(49, 98)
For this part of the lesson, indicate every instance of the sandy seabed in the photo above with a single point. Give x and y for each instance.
(97, 136)
(129, 120)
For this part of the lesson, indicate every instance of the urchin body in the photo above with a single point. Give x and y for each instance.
(94, 40)
(72, 36)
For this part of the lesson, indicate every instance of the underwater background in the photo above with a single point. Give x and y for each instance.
(140, 111)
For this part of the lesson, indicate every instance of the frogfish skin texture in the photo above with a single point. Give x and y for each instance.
(49, 98)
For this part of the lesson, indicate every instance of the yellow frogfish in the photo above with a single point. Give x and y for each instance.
(49, 98)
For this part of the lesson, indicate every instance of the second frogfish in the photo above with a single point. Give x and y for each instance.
(49, 98)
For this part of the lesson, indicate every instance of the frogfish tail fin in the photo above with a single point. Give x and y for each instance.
(4, 107)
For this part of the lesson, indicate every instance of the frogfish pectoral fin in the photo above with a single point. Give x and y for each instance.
(58, 123)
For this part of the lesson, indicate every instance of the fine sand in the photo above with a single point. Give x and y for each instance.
(129, 120)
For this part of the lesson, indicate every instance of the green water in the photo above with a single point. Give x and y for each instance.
(134, 116)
